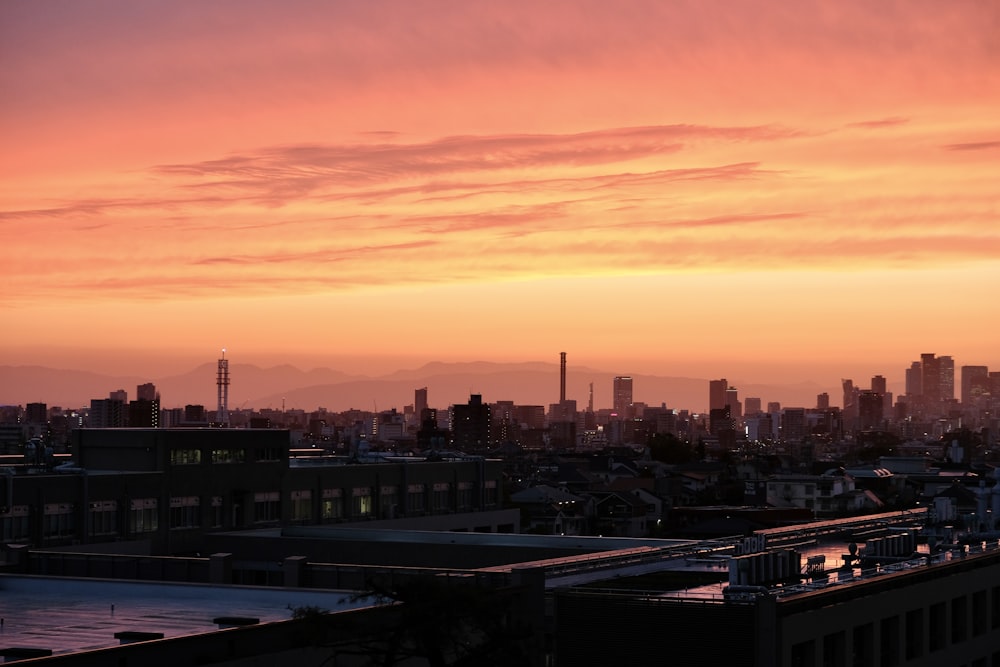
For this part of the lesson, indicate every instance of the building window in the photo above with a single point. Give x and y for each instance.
(102, 518)
(833, 649)
(216, 517)
(804, 654)
(228, 455)
(415, 498)
(389, 502)
(58, 521)
(302, 505)
(914, 633)
(266, 506)
(185, 457)
(185, 512)
(959, 619)
(362, 502)
(889, 641)
(267, 454)
(863, 646)
(14, 524)
(440, 495)
(979, 614)
(332, 505)
(938, 628)
(490, 493)
(143, 516)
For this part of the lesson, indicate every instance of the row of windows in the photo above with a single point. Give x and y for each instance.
(180, 457)
(185, 512)
(940, 631)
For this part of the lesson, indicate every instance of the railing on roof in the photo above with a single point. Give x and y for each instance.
(834, 526)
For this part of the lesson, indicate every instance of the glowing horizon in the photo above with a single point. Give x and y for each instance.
(675, 182)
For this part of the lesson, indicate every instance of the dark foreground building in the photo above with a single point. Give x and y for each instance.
(162, 491)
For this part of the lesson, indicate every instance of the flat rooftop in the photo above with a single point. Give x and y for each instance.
(68, 615)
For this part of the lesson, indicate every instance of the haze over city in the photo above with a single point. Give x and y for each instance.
(770, 191)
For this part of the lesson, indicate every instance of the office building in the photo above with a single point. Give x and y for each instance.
(946, 367)
(975, 382)
(420, 403)
(470, 425)
(914, 380)
(147, 392)
(717, 394)
(622, 399)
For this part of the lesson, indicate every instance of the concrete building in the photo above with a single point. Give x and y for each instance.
(164, 490)
(866, 593)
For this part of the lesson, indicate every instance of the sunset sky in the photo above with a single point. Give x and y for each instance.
(767, 190)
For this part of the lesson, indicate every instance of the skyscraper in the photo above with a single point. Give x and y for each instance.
(419, 403)
(733, 401)
(930, 379)
(146, 392)
(717, 394)
(870, 410)
(879, 385)
(946, 367)
(975, 382)
(914, 386)
(622, 400)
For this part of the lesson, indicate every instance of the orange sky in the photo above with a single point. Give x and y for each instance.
(768, 188)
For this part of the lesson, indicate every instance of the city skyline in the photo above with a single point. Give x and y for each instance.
(754, 190)
(520, 383)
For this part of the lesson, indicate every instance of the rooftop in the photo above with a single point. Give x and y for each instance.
(68, 615)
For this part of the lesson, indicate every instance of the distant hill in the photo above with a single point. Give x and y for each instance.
(532, 383)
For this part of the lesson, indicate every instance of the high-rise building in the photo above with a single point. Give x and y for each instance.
(107, 413)
(823, 401)
(419, 403)
(146, 392)
(879, 385)
(733, 401)
(622, 400)
(751, 405)
(36, 413)
(975, 383)
(930, 379)
(120, 395)
(470, 425)
(717, 394)
(914, 385)
(793, 424)
(870, 410)
(143, 413)
(946, 366)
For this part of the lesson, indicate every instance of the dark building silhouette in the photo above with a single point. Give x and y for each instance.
(470, 425)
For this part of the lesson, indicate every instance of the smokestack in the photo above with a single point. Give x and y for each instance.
(562, 377)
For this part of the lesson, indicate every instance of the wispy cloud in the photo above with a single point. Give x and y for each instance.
(880, 123)
(973, 146)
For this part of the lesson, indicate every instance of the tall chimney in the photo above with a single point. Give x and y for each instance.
(562, 377)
